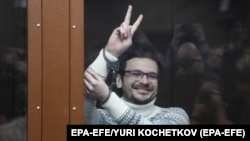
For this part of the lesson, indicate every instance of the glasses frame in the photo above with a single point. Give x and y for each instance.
(138, 75)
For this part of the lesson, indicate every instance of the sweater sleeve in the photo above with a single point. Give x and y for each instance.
(91, 113)
(100, 65)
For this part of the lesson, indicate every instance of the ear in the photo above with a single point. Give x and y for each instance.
(118, 81)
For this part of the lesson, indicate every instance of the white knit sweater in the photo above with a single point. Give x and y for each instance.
(117, 111)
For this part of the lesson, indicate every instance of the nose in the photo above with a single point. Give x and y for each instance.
(144, 79)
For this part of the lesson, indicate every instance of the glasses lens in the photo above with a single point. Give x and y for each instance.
(139, 74)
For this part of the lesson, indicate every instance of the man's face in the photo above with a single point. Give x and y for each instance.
(192, 58)
(140, 80)
(214, 59)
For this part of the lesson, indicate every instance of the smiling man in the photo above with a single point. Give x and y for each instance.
(137, 78)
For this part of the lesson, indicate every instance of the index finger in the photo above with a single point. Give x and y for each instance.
(136, 24)
(128, 15)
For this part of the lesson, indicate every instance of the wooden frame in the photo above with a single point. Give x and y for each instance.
(55, 67)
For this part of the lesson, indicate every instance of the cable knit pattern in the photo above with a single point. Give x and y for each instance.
(130, 117)
(167, 116)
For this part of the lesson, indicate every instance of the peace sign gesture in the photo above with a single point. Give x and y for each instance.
(121, 37)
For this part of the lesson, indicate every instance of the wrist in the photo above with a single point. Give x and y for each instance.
(111, 64)
(100, 103)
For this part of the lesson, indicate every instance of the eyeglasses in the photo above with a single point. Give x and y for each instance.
(151, 76)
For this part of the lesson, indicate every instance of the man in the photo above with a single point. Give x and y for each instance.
(189, 69)
(137, 78)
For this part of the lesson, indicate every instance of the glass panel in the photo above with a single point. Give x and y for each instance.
(204, 48)
(13, 69)
(210, 58)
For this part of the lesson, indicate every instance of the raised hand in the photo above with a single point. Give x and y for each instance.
(121, 37)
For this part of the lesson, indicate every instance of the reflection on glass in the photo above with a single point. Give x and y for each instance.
(193, 41)
(13, 70)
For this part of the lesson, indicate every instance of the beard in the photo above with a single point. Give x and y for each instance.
(147, 87)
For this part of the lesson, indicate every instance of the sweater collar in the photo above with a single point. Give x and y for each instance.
(145, 110)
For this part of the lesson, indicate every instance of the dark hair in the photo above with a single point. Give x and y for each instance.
(141, 51)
